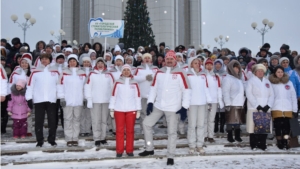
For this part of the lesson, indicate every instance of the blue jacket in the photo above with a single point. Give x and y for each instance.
(295, 79)
(287, 70)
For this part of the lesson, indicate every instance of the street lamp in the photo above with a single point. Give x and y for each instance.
(221, 43)
(263, 30)
(24, 25)
(58, 37)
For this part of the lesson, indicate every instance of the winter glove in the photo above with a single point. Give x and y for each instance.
(9, 113)
(227, 108)
(149, 108)
(295, 114)
(183, 113)
(138, 114)
(266, 108)
(149, 78)
(89, 103)
(30, 104)
(209, 106)
(259, 108)
(112, 113)
(28, 114)
(63, 103)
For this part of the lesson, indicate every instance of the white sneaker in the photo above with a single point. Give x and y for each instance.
(200, 150)
(191, 150)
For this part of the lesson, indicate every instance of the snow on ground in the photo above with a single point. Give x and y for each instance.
(211, 162)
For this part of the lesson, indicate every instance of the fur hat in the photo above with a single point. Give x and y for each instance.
(282, 59)
(21, 82)
(86, 59)
(126, 66)
(258, 67)
(171, 54)
(146, 55)
(119, 57)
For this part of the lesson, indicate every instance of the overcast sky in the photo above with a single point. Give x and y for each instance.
(231, 18)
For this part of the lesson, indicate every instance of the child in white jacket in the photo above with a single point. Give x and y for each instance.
(71, 89)
(125, 106)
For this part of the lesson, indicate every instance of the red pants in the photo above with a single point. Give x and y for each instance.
(124, 122)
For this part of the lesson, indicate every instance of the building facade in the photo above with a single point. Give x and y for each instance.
(174, 22)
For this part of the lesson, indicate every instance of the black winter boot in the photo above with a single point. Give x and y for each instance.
(237, 135)
(279, 144)
(170, 161)
(252, 141)
(262, 141)
(229, 136)
(216, 122)
(222, 122)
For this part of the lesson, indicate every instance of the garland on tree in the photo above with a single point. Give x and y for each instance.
(137, 30)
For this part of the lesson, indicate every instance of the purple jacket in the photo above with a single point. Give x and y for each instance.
(18, 105)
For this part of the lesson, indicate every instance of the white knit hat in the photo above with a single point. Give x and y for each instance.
(126, 66)
(179, 54)
(72, 56)
(146, 55)
(257, 67)
(86, 58)
(69, 50)
(282, 59)
(119, 57)
(117, 48)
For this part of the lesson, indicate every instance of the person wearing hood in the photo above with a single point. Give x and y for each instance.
(170, 96)
(129, 60)
(18, 109)
(39, 47)
(263, 54)
(92, 55)
(285, 105)
(23, 73)
(266, 64)
(284, 53)
(57, 48)
(192, 53)
(144, 76)
(285, 63)
(125, 107)
(180, 63)
(274, 62)
(248, 71)
(70, 93)
(199, 102)
(68, 51)
(41, 90)
(13, 51)
(295, 76)
(98, 49)
(98, 99)
(224, 53)
(108, 59)
(60, 62)
(244, 55)
(85, 119)
(233, 94)
(219, 68)
(260, 97)
(214, 86)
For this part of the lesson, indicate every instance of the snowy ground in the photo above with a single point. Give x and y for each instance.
(220, 154)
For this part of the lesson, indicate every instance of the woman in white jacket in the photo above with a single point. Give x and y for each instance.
(285, 105)
(260, 97)
(200, 96)
(233, 96)
(125, 106)
(71, 91)
(214, 86)
(97, 92)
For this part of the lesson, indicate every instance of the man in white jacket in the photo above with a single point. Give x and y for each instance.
(42, 89)
(98, 92)
(170, 93)
(144, 76)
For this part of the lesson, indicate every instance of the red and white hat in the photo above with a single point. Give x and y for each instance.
(171, 54)
(28, 58)
(126, 66)
(209, 61)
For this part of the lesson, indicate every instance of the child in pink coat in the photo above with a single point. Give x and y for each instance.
(18, 109)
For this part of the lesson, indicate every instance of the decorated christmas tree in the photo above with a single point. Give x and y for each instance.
(137, 30)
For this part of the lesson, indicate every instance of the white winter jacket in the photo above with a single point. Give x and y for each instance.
(259, 92)
(140, 76)
(15, 76)
(71, 85)
(233, 91)
(42, 84)
(4, 86)
(125, 96)
(170, 90)
(215, 90)
(116, 72)
(199, 88)
(98, 86)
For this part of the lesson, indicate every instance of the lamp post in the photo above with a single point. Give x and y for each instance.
(221, 43)
(58, 37)
(24, 25)
(263, 30)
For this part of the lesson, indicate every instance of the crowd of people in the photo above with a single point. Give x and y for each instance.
(92, 91)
